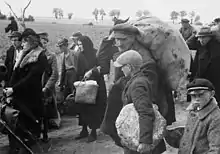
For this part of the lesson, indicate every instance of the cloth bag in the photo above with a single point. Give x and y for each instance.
(127, 125)
(86, 91)
(167, 46)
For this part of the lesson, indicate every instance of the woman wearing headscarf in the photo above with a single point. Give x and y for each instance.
(26, 88)
(91, 115)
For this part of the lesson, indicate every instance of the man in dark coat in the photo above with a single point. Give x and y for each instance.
(207, 60)
(12, 54)
(124, 35)
(25, 86)
(141, 90)
(13, 26)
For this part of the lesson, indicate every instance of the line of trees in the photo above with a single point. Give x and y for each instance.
(174, 15)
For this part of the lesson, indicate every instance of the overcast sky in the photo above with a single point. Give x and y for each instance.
(207, 9)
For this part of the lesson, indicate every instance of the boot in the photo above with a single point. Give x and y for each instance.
(92, 136)
(83, 134)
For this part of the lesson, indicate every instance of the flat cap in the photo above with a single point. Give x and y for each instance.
(199, 84)
(15, 34)
(61, 42)
(43, 35)
(129, 57)
(76, 34)
(126, 29)
(184, 20)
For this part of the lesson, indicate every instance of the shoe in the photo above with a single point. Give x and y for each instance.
(82, 135)
(92, 136)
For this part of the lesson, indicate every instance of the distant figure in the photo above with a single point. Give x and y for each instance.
(187, 30)
(120, 21)
(13, 26)
(75, 37)
(216, 21)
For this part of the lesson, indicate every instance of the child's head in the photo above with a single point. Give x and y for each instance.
(201, 92)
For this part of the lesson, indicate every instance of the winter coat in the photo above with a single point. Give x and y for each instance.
(202, 131)
(207, 62)
(27, 86)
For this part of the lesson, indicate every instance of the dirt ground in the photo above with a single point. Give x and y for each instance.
(63, 142)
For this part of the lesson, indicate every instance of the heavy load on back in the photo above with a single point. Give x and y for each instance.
(167, 47)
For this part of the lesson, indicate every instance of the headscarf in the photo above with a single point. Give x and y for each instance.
(88, 50)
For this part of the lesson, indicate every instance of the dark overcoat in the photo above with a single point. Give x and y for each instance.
(141, 90)
(92, 115)
(207, 62)
(9, 63)
(27, 87)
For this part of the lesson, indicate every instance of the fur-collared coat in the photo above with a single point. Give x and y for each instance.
(202, 131)
(27, 86)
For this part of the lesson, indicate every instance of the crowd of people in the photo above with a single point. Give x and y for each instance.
(33, 74)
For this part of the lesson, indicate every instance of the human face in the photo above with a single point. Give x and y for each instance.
(80, 45)
(75, 39)
(185, 25)
(204, 40)
(26, 44)
(63, 48)
(15, 42)
(199, 100)
(124, 44)
(44, 43)
(126, 69)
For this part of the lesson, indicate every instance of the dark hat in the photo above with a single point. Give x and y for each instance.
(61, 41)
(217, 20)
(28, 32)
(43, 35)
(15, 34)
(76, 34)
(11, 18)
(184, 21)
(122, 30)
(199, 84)
(205, 31)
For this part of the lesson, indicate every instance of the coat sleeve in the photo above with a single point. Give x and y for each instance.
(140, 95)
(213, 137)
(54, 76)
(105, 54)
(192, 43)
(36, 69)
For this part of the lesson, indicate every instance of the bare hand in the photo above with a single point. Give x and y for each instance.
(144, 148)
(88, 74)
(8, 91)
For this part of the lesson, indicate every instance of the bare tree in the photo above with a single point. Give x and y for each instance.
(192, 15)
(139, 13)
(56, 12)
(115, 13)
(146, 13)
(70, 15)
(22, 21)
(174, 15)
(183, 14)
(96, 13)
(197, 18)
(102, 13)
